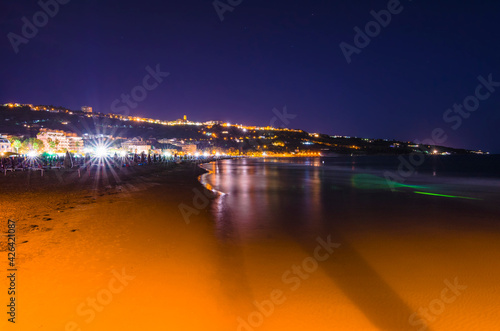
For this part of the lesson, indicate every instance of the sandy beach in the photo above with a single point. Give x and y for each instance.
(75, 237)
(121, 256)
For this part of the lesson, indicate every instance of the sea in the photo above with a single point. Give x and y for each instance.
(265, 195)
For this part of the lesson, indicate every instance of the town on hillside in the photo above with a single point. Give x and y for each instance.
(53, 130)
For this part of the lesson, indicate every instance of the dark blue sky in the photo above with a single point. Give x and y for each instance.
(264, 55)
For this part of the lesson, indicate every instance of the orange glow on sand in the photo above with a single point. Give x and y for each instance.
(123, 258)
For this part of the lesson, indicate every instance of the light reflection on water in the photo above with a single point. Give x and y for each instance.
(304, 196)
(266, 197)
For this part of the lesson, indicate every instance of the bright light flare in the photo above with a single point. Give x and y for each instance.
(32, 154)
(101, 151)
(32, 158)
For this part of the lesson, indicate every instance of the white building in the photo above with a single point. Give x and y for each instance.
(5, 145)
(87, 109)
(189, 149)
(136, 145)
(57, 140)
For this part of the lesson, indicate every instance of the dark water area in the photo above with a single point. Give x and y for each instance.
(304, 195)
(487, 166)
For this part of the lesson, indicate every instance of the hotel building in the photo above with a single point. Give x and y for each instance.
(62, 141)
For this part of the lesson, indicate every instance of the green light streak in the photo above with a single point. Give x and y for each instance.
(372, 182)
(446, 196)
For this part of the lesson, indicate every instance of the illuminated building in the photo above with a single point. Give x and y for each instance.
(58, 140)
(189, 149)
(5, 145)
(136, 145)
(87, 109)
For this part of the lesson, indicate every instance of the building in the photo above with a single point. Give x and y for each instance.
(189, 149)
(5, 145)
(136, 145)
(213, 123)
(57, 140)
(87, 109)
(172, 141)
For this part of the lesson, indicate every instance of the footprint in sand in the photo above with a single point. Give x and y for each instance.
(74, 230)
(47, 219)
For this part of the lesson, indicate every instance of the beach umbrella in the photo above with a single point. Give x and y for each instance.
(149, 158)
(68, 161)
(135, 158)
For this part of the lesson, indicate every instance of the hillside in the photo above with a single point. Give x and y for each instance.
(22, 121)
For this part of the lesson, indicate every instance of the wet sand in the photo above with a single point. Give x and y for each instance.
(120, 256)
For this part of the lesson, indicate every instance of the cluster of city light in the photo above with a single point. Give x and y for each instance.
(157, 121)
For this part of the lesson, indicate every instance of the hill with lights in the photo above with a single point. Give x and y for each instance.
(27, 122)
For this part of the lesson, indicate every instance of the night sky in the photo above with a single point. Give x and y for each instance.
(264, 55)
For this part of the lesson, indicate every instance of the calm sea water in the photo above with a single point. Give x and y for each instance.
(301, 196)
